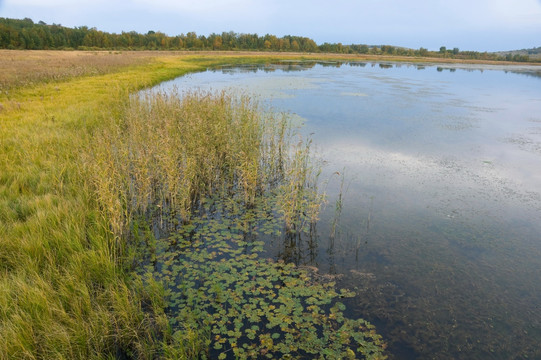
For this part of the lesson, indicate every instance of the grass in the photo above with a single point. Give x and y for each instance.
(167, 153)
(62, 295)
(27, 68)
(66, 286)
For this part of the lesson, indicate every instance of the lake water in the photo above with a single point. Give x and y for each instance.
(440, 230)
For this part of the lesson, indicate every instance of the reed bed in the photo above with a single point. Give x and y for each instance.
(169, 172)
(169, 151)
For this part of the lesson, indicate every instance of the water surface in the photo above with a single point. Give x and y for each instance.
(441, 167)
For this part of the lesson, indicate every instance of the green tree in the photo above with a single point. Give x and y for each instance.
(216, 42)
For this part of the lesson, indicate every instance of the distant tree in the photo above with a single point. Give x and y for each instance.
(177, 42)
(249, 41)
(326, 47)
(216, 42)
(229, 40)
(191, 37)
(273, 41)
(387, 49)
(308, 45)
(285, 44)
(521, 58)
(25, 34)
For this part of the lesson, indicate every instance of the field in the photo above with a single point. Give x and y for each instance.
(64, 293)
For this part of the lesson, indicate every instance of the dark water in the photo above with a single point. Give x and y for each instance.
(440, 227)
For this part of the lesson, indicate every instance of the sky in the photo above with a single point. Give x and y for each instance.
(477, 25)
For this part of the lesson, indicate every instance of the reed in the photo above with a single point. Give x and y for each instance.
(184, 178)
(168, 151)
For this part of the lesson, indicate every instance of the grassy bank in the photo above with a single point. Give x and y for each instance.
(61, 293)
(66, 287)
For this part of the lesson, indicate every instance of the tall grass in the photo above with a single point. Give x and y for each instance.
(170, 150)
(66, 291)
(62, 295)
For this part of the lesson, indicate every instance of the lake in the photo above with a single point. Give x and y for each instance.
(439, 168)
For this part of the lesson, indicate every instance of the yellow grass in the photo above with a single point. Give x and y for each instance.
(62, 295)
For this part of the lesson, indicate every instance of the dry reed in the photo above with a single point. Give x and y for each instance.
(170, 150)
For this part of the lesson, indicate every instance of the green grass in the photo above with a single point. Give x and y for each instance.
(67, 289)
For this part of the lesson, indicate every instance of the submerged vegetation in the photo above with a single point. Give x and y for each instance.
(125, 222)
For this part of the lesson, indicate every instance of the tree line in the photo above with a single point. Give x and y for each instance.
(25, 34)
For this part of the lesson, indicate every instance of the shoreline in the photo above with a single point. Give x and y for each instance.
(310, 55)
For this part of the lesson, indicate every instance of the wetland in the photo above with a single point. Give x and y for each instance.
(431, 175)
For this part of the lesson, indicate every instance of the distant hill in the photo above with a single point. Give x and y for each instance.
(533, 53)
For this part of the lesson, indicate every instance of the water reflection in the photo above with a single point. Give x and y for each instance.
(299, 248)
(438, 229)
(294, 65)
(285, 66)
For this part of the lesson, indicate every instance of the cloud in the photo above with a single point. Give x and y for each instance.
(204, 10)
(201, 6)
(58, 4)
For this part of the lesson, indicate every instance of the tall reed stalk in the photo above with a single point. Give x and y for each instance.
(168, 151)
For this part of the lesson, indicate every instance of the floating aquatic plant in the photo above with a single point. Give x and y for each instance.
(219, 289)
(196, 183)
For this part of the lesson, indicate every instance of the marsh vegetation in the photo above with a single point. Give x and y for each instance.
(100, 226)
(438, 225)
(195, 182)
(159, 226)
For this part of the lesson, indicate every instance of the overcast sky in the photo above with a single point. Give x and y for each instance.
(480, 25)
